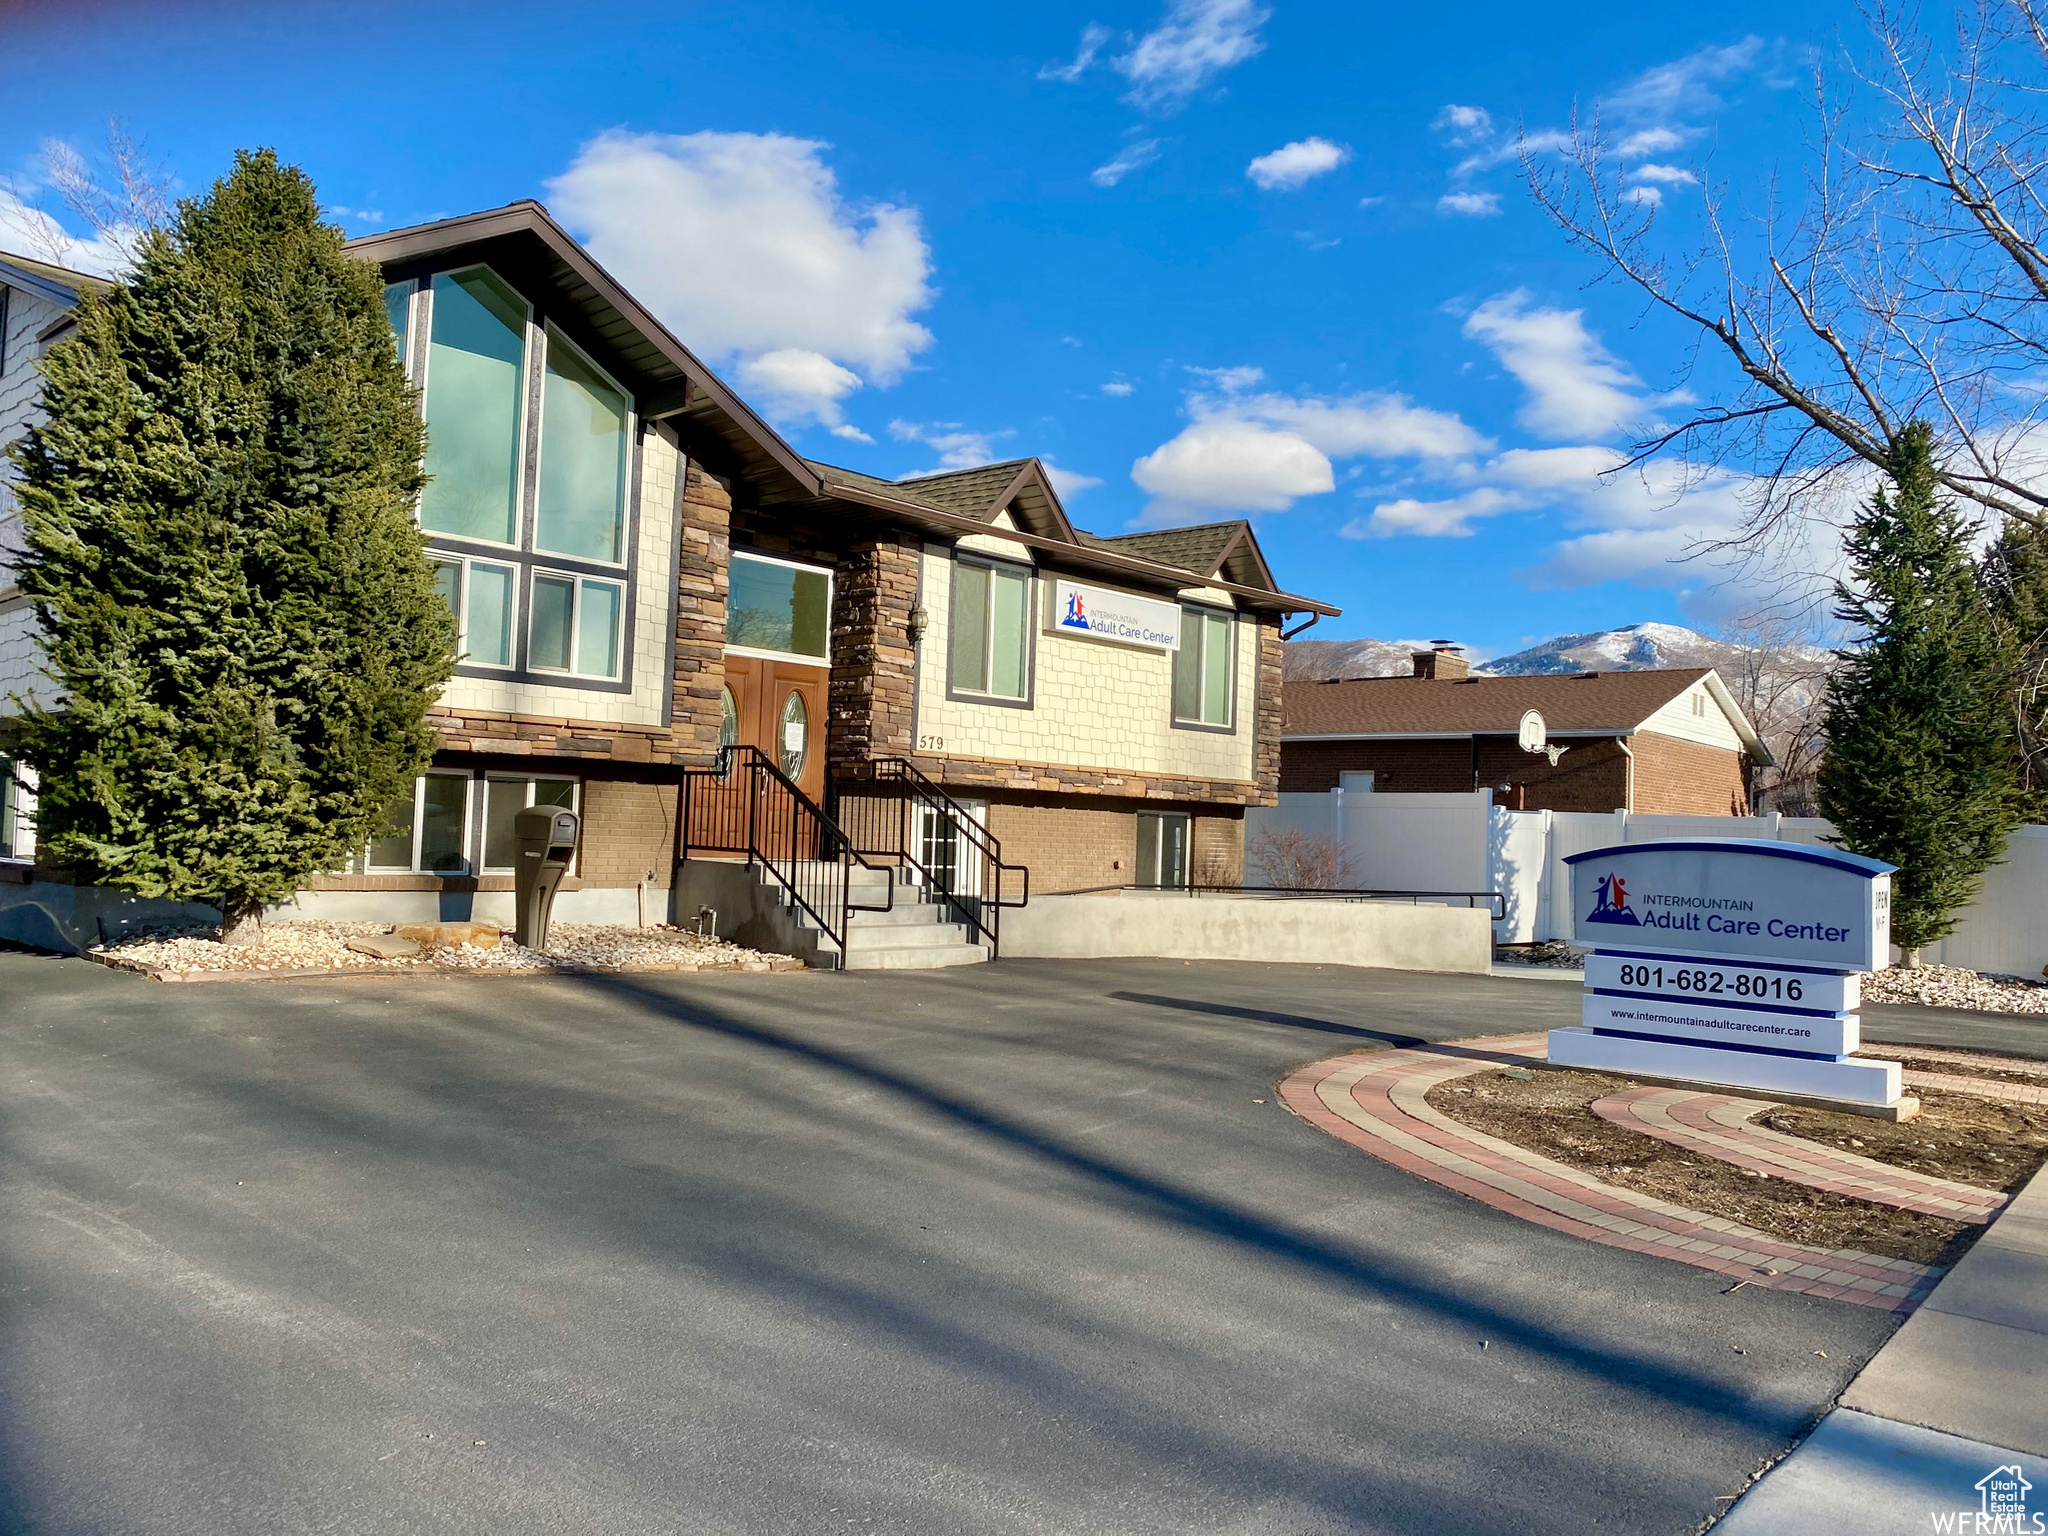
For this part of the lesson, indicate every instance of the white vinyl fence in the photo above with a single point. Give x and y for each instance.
(1465, 842)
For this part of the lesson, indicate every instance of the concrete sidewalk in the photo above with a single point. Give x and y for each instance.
(1955, 1395)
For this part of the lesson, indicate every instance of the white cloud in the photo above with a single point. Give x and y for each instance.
(1683, 88)
(957, 447)
(1649, 141)
(1295, 165)
(1448, 519)
(1067, 483)
(1668, 175)
(798, 385)
(1128, 159)
(1648, 197)
(1224, 464)
(1230, 380)
(1478, 205)
(744, 246)
(1196, 41)
(1462, 126)
(1093, 36)
(1260, 453)
(1121, 388)
(1576, 387)
(28, 231)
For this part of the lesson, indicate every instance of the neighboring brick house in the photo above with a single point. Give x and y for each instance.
(1663, 742)
(643, 570)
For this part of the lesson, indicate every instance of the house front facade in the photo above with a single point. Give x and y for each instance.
(1668, 742)
(643, 572)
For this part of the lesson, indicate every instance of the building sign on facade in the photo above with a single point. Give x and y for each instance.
(1119, 616)
(1730, 960)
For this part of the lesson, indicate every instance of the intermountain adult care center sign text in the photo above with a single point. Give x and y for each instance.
(1119, 616)
(1732, 961)
(1738, 897)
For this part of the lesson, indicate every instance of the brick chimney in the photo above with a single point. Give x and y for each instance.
(1441, 661)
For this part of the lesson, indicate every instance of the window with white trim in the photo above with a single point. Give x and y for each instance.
(428, 833)
(1202, 669)
(476, 406)
(1162, 850)
(505, 796)
(17, 800)
(991, 629)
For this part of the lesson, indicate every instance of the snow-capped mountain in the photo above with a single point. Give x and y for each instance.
(1637, 648)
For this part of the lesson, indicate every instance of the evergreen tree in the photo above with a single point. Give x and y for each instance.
(234, 602)
(1919, 768)
(2016, 585)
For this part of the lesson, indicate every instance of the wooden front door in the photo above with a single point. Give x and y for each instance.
(780, 707)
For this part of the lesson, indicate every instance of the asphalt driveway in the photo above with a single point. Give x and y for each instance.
(1030, 1248)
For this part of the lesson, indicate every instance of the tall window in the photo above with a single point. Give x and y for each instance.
(9, 814)
(581, 510)
(398, 310)
(1162, 850)
(476, 388)
(779, 607)
(991, 629)
(1202, 669)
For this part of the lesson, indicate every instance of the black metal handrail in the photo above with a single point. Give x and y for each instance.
(879, 810)
(1495, 900)
(747, 804)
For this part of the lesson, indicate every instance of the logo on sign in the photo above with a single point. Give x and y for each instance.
(1611, 903)
(1077, 614)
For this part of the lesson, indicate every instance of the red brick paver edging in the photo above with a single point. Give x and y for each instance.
(1719, 1125)
(1376, 1104)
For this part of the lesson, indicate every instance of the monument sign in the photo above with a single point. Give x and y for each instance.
(1730, 960)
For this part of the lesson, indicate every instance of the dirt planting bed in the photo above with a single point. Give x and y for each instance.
(1956, 1136)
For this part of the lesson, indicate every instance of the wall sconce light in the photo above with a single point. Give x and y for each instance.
(919, 622)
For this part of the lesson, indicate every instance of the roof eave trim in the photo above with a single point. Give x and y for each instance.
(35, 283)
(1736, 718)
(532, 218)
(1588, 734)
(1176, 576)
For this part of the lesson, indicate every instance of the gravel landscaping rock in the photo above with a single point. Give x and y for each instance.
(1552, 955)
(314, 948)
(1950, 986)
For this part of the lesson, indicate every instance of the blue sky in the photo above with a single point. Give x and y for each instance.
(1208, 257)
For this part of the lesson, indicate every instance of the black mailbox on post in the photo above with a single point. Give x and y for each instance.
(546, 836)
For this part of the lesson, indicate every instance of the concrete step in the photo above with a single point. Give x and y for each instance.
(916, 958)
(907, 913)
(906, 936)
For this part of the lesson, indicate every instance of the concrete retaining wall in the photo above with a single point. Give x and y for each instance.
(68, 918)
(1387, 935)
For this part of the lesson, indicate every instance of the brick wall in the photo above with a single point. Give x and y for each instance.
(1672, 777)
(1077, 842)
(1590, 777)
(1684, 778)
(628, 829)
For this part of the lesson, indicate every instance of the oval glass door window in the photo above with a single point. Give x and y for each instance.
(728, 728)
(796, 731)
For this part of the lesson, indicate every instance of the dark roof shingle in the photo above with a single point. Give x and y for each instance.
(1196, 549)
(1403, 706)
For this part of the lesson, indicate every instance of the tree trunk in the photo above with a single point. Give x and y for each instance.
(1909, 959)
(241, 926)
